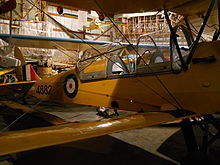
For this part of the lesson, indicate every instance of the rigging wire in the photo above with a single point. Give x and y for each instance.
(66, 30)
(61, 86)
(58, 87)
(138, 55)
(160, 81)
(163, 85)
(194, 30)
(20, 117)
(13, 122)
(25, 113)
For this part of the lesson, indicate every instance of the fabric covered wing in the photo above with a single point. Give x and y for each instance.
(50, 42)
(22, 86)
(16, 141)
(184, 7)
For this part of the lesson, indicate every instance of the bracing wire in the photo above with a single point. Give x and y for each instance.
(160, 81)
(66, 30)
(110, 59)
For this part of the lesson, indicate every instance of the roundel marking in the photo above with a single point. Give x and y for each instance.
(71, 86)
(60, 10)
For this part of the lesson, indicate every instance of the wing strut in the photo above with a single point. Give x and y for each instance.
(216, 35)
(175, 40)
(136, 51)
(195, 43)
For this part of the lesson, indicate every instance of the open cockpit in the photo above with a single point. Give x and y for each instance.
(118, 60)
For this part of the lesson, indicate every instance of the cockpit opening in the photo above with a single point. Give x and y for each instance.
(117, 60)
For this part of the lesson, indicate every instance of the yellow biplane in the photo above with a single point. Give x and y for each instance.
(161, 91)
(97, 24)
(16, 74)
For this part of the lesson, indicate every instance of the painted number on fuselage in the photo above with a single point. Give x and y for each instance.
(44, 89)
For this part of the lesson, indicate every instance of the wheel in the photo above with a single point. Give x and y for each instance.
(10, 78)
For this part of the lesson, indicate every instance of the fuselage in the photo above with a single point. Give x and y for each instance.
(196, 90)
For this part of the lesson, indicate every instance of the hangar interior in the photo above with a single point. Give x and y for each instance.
(130, 45)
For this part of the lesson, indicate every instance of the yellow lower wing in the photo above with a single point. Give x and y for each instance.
(8, 88)
(17, 141)
(2, 72)
(18, 83)
(45, 116)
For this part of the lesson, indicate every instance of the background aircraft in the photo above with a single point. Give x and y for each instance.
(15, 74)
(97, 24)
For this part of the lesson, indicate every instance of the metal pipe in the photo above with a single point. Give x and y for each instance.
(188, 25)
(189, 136)
(216, 35)
(175, 40)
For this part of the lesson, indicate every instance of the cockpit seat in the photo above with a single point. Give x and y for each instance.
(116, 66)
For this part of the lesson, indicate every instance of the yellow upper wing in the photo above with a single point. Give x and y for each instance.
(184, 7)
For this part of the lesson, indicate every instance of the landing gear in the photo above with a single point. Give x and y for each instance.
(196, 154)
(8, 78)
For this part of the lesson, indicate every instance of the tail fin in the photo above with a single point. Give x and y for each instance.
(29, 73)
(25, 72)
(18, 54)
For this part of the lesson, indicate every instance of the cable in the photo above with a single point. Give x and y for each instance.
(66, 30)
(106, 56)
(5, 128)
(21, 116)
(163, 85)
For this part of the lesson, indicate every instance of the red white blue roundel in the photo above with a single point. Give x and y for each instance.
(71, 85)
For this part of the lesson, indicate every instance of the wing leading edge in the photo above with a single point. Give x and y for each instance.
(17, 141)
(184, 7)
(67, 43)
(50, 42)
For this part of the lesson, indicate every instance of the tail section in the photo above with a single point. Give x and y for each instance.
(25, 72)
(29, 73)
(18, 54)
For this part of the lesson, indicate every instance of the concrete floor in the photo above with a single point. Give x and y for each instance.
(152, 145)
(96, 151)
